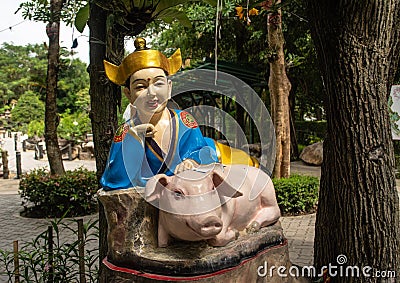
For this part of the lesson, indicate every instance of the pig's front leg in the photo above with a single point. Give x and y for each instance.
(163, 236)
(224, 237)
(265, 217)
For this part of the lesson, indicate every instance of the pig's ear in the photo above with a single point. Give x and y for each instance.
(154, 187)
(224, 188)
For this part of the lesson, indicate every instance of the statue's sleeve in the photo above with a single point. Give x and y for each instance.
(194, 146)
(123, 169)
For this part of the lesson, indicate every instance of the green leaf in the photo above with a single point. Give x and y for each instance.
(82, 17)
(183, 19)
(167, 19)
(169, 14)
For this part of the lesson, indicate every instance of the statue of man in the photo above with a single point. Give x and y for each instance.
(155, 139)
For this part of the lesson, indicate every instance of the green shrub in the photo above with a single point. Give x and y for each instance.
(35, 128)
(73, 193)
(297, 194)
(74, 125)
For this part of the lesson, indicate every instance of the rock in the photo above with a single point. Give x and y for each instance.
(313, 154)
(30, 146)
(88, 147)
(85, 155)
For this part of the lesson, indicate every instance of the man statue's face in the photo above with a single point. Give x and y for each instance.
(149, 90)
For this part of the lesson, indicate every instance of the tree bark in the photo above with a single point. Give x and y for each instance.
(358, 45)
(51, 117)
(103, 113)
(279, 87)
(104, 99)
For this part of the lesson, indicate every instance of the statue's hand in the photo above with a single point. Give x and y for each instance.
(145, 129)
(186, 164)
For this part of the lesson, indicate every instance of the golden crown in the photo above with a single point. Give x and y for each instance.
(142, 58)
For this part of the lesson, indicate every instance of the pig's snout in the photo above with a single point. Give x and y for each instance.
(211, 226)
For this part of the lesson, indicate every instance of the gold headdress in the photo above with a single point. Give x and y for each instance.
(142, 58)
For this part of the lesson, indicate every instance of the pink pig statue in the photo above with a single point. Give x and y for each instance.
(212, 203)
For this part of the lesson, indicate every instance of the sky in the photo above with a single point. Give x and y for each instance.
(25, 32)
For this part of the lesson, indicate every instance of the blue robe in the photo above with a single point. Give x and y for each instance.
(133, 160)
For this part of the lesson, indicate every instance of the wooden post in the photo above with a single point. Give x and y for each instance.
(16, 142)
(4, 160)
(40, 147)
(18, 161)
(51, 255)
(82, 278)
(16, 261)
(69, 152)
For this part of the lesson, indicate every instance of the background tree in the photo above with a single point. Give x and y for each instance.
(28, 108)
(23, 79)
(279, 88)
(51, 12)
(358, 47)
(73, 85)
(22, 68)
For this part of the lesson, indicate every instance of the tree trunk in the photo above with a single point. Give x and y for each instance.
(51, 117)
(279, 87)
(104, 99)
(358, 45)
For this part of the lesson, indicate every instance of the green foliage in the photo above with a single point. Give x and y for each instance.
(39, 10)
(34, 255)
(22, 68)
(23, 77)
(35, 129)
(242, 43)
(74, 126)
(28, 108)
(53, 196)
(297, 194)
(73, 85)
(197, 41)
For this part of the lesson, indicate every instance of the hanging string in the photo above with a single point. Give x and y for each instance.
(10, 27)
(217, 34)
(247, 9)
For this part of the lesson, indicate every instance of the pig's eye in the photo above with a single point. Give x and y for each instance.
(178, 194)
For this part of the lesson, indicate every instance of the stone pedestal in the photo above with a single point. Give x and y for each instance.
(133, 255)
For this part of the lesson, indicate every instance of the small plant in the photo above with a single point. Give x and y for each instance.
(37, 263)
(72, 194)
(297, 194)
